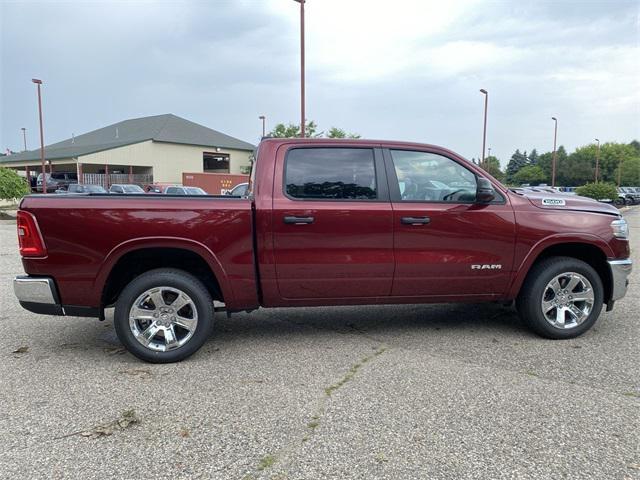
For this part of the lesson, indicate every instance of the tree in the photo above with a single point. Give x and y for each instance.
(533, 157)
(545, 161)
(630, 174)
(635, 144)
(335, 132)
(492, 167)
(12, 185)
(291, 130)
(531, 174)
(518, 160)
(598, 191)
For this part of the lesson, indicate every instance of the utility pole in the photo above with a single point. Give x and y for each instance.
(553, 162)
(44, 172)
(302, 80)
(24, 138)
(263, 118)
(484, 132)
(597, 160)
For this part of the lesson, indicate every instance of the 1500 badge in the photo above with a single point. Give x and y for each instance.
(554, 202)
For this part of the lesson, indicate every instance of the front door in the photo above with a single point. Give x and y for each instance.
(446, 244)
(332, 223)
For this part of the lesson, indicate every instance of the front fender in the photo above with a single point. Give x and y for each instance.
(550, 241)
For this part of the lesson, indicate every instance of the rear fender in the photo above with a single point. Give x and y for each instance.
(165, 242)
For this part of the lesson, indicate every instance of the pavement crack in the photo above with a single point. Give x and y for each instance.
(283, 457)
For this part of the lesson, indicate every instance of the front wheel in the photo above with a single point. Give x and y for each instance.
(164, 315)
(562, 297)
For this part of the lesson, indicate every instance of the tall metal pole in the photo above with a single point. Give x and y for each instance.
(484, 132)
(263, 118)
(302, 100)
(553, 162)
(24, 137)
(597, 160)
(44, 172)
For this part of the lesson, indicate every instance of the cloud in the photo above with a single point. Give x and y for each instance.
(407, 70)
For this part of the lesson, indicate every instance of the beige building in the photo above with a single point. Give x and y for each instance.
(144, 150)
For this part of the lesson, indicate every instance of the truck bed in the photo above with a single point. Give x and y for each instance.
(86, 235)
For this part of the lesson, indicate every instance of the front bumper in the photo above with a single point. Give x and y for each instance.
(620, 270)
(40, 295)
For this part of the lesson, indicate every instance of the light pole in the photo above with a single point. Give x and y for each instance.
(484, 132)
(302, 114)
(44, 172)
(553, 161)
(489, 152)
(263, 118)
(597, 160)
(24, 137)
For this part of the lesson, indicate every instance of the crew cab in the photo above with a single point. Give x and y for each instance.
(324, 222)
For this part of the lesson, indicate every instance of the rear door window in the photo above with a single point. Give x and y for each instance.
(331, 174)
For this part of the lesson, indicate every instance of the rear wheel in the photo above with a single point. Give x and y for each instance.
(561, 298)
(164, 315)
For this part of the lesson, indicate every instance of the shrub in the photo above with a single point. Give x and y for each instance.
(598, 191)
(12, 185)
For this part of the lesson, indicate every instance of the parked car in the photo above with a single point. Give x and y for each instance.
(84, 188)
(632, 197)
(331, 222)
(239, 190)
(57, 181)
(126, 188)
(179, 190)
(624, 198)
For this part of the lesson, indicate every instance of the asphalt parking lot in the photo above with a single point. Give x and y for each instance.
(419, 391)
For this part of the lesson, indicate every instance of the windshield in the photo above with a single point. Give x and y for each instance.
(132, 189)
(195, 191)
(94, 189)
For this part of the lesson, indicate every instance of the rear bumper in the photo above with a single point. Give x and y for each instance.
(40, 295)
(620, 270)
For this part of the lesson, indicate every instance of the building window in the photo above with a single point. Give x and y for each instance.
(215, 162)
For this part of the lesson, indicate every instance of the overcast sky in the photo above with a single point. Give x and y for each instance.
(402, 69)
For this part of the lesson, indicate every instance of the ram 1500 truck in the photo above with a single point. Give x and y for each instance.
(324, 222)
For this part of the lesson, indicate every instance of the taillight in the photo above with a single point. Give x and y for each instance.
(29, 236)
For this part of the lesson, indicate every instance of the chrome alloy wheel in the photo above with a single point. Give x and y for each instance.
(163, 318)
(567, 300)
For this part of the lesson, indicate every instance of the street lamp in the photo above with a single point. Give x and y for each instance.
(263, 118)
(489, 152)
(484, 133)
(597, 159)
(302, 115)
(553, 161)
(44, 173)
(24, 137)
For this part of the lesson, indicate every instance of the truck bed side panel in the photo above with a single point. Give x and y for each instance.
(85, 236)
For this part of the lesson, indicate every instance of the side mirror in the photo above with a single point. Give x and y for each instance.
(484, 191)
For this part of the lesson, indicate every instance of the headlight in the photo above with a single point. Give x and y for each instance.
(620, 228)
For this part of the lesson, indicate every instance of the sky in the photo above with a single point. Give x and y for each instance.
(400, 70)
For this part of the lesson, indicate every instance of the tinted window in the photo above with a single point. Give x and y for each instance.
(132, 189)
(74, 188)
(426, 176)
(174, 191)
(331, 173)
(240, 190)
(195, 191)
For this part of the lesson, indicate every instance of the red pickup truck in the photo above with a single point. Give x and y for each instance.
(324, 222)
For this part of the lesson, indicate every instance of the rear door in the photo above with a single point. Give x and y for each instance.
(332, 223)
(446, 244)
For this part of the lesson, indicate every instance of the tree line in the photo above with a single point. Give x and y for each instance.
(617, 161)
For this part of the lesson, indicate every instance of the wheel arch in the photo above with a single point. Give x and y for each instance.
(134, 257)
(593, 251)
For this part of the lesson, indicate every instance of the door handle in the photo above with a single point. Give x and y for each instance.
(298, 220)
(415, 220)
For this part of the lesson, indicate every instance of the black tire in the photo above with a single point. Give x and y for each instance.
(531, 295)
(174, 279)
